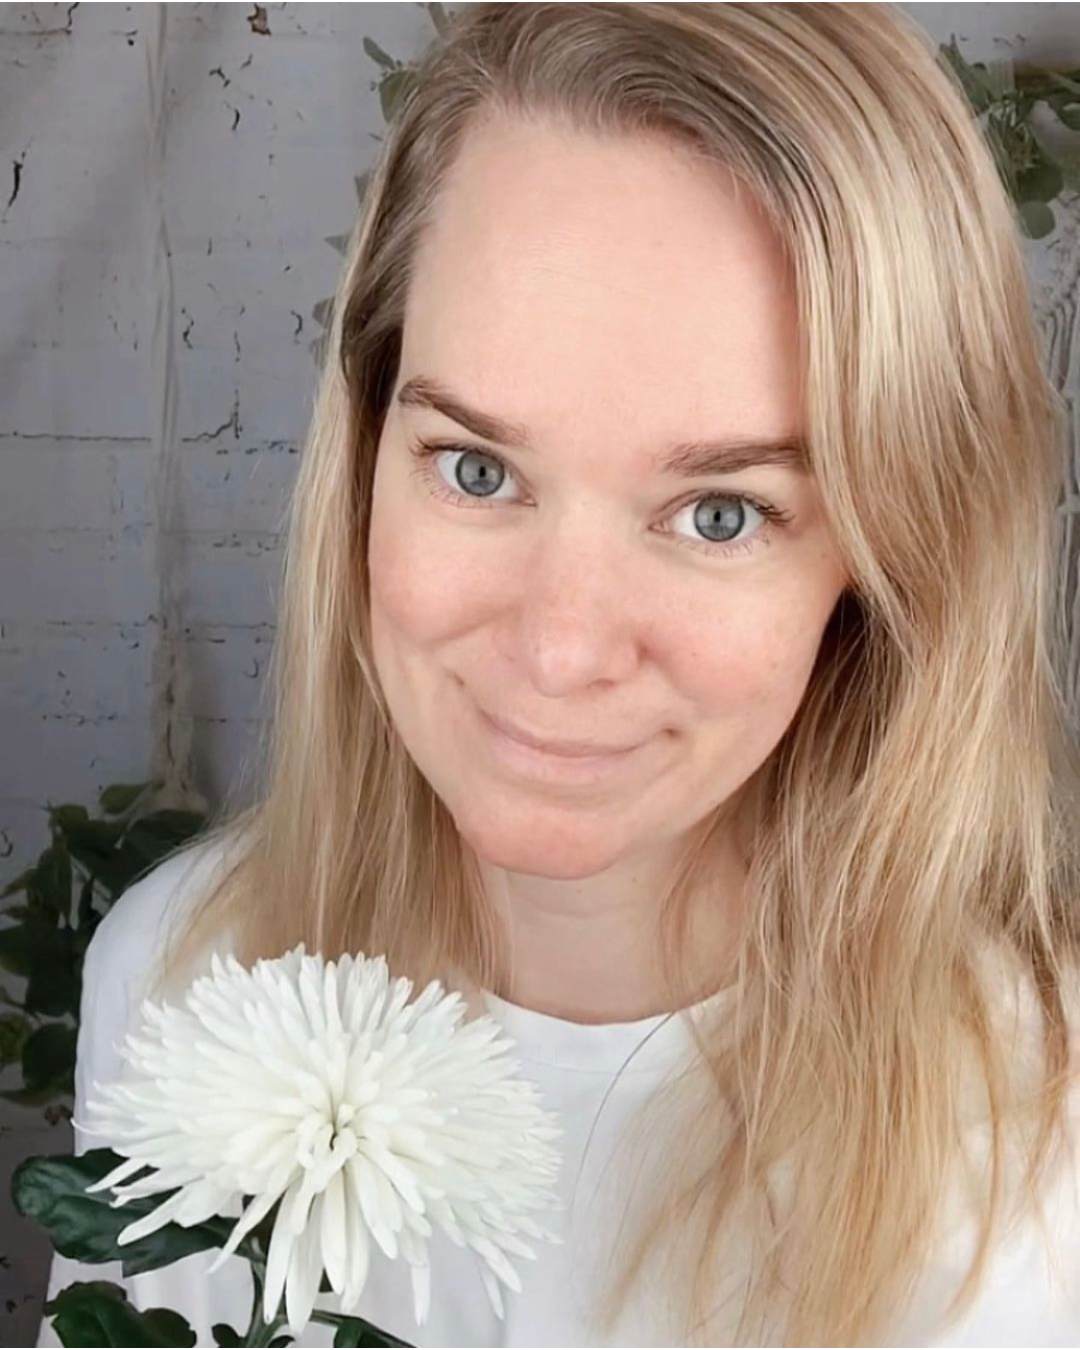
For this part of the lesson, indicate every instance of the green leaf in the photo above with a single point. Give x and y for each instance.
(439, 17)
(54, 984)
(45, 955)
(52, 1191)
(974, 85)
(152, 836)
(1037, 219)
(1064, 82)
(49, 888)
(224, 1334)
(19, 884)
(1067, 108)
(14, 1029)
(393, 89)
(97, 1312)
(48, 1057)
(1042, 182)
(355, 1330)
(121, 797)
(94, 843)
(378, 55)
(68, 816)
(15, 947)
(31, 1096)
(87, 914)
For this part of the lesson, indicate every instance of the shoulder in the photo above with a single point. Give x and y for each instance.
(120, 957)
(133, 930)
(1015, 1006)
(1017, 1017)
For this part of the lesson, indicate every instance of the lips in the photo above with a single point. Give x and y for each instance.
(570, 749)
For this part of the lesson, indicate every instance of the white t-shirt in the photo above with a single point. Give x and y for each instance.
(594, 1076)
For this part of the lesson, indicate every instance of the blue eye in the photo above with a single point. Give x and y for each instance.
(479, 474)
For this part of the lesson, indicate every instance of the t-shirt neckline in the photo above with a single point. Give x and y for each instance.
(645, 1045)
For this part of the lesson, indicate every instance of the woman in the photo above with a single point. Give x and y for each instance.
(685, 408)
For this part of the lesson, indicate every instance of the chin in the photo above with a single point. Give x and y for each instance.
(562, 851)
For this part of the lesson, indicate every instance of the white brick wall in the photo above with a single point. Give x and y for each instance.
(249, 203)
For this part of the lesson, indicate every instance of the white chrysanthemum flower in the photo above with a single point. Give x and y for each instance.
(318, 1084)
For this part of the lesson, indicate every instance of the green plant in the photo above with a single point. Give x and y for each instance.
(1003, 97)
(82, 1227)
(89, 862)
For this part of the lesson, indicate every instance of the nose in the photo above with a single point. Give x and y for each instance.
(577, 618)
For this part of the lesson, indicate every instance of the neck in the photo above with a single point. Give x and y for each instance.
(587, 950)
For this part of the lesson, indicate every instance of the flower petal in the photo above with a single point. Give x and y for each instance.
(497, 1261)
(421, 1287)
(305, 1274)
(494, 1293)
(125, 1169)
(332, 1232)
(278, 1261)
(261, 1205)
(150, 1223)
(359, 1249)
(363, 1178)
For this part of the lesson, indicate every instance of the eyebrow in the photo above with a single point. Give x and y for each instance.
(687, 459)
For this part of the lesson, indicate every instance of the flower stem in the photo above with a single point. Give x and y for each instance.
(260, 1332)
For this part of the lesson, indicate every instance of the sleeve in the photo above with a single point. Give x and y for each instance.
(118, 956)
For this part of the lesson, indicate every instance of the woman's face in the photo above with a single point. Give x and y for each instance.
(612, 303)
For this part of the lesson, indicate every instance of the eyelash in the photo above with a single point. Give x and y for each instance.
(424, 451)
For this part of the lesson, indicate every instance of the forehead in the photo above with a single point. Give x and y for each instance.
(574, 281)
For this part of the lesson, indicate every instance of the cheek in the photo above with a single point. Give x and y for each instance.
(416, 590)
(748, 667)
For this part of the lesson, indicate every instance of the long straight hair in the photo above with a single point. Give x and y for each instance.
(913, 854)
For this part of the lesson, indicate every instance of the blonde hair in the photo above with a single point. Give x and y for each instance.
(915, 830)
